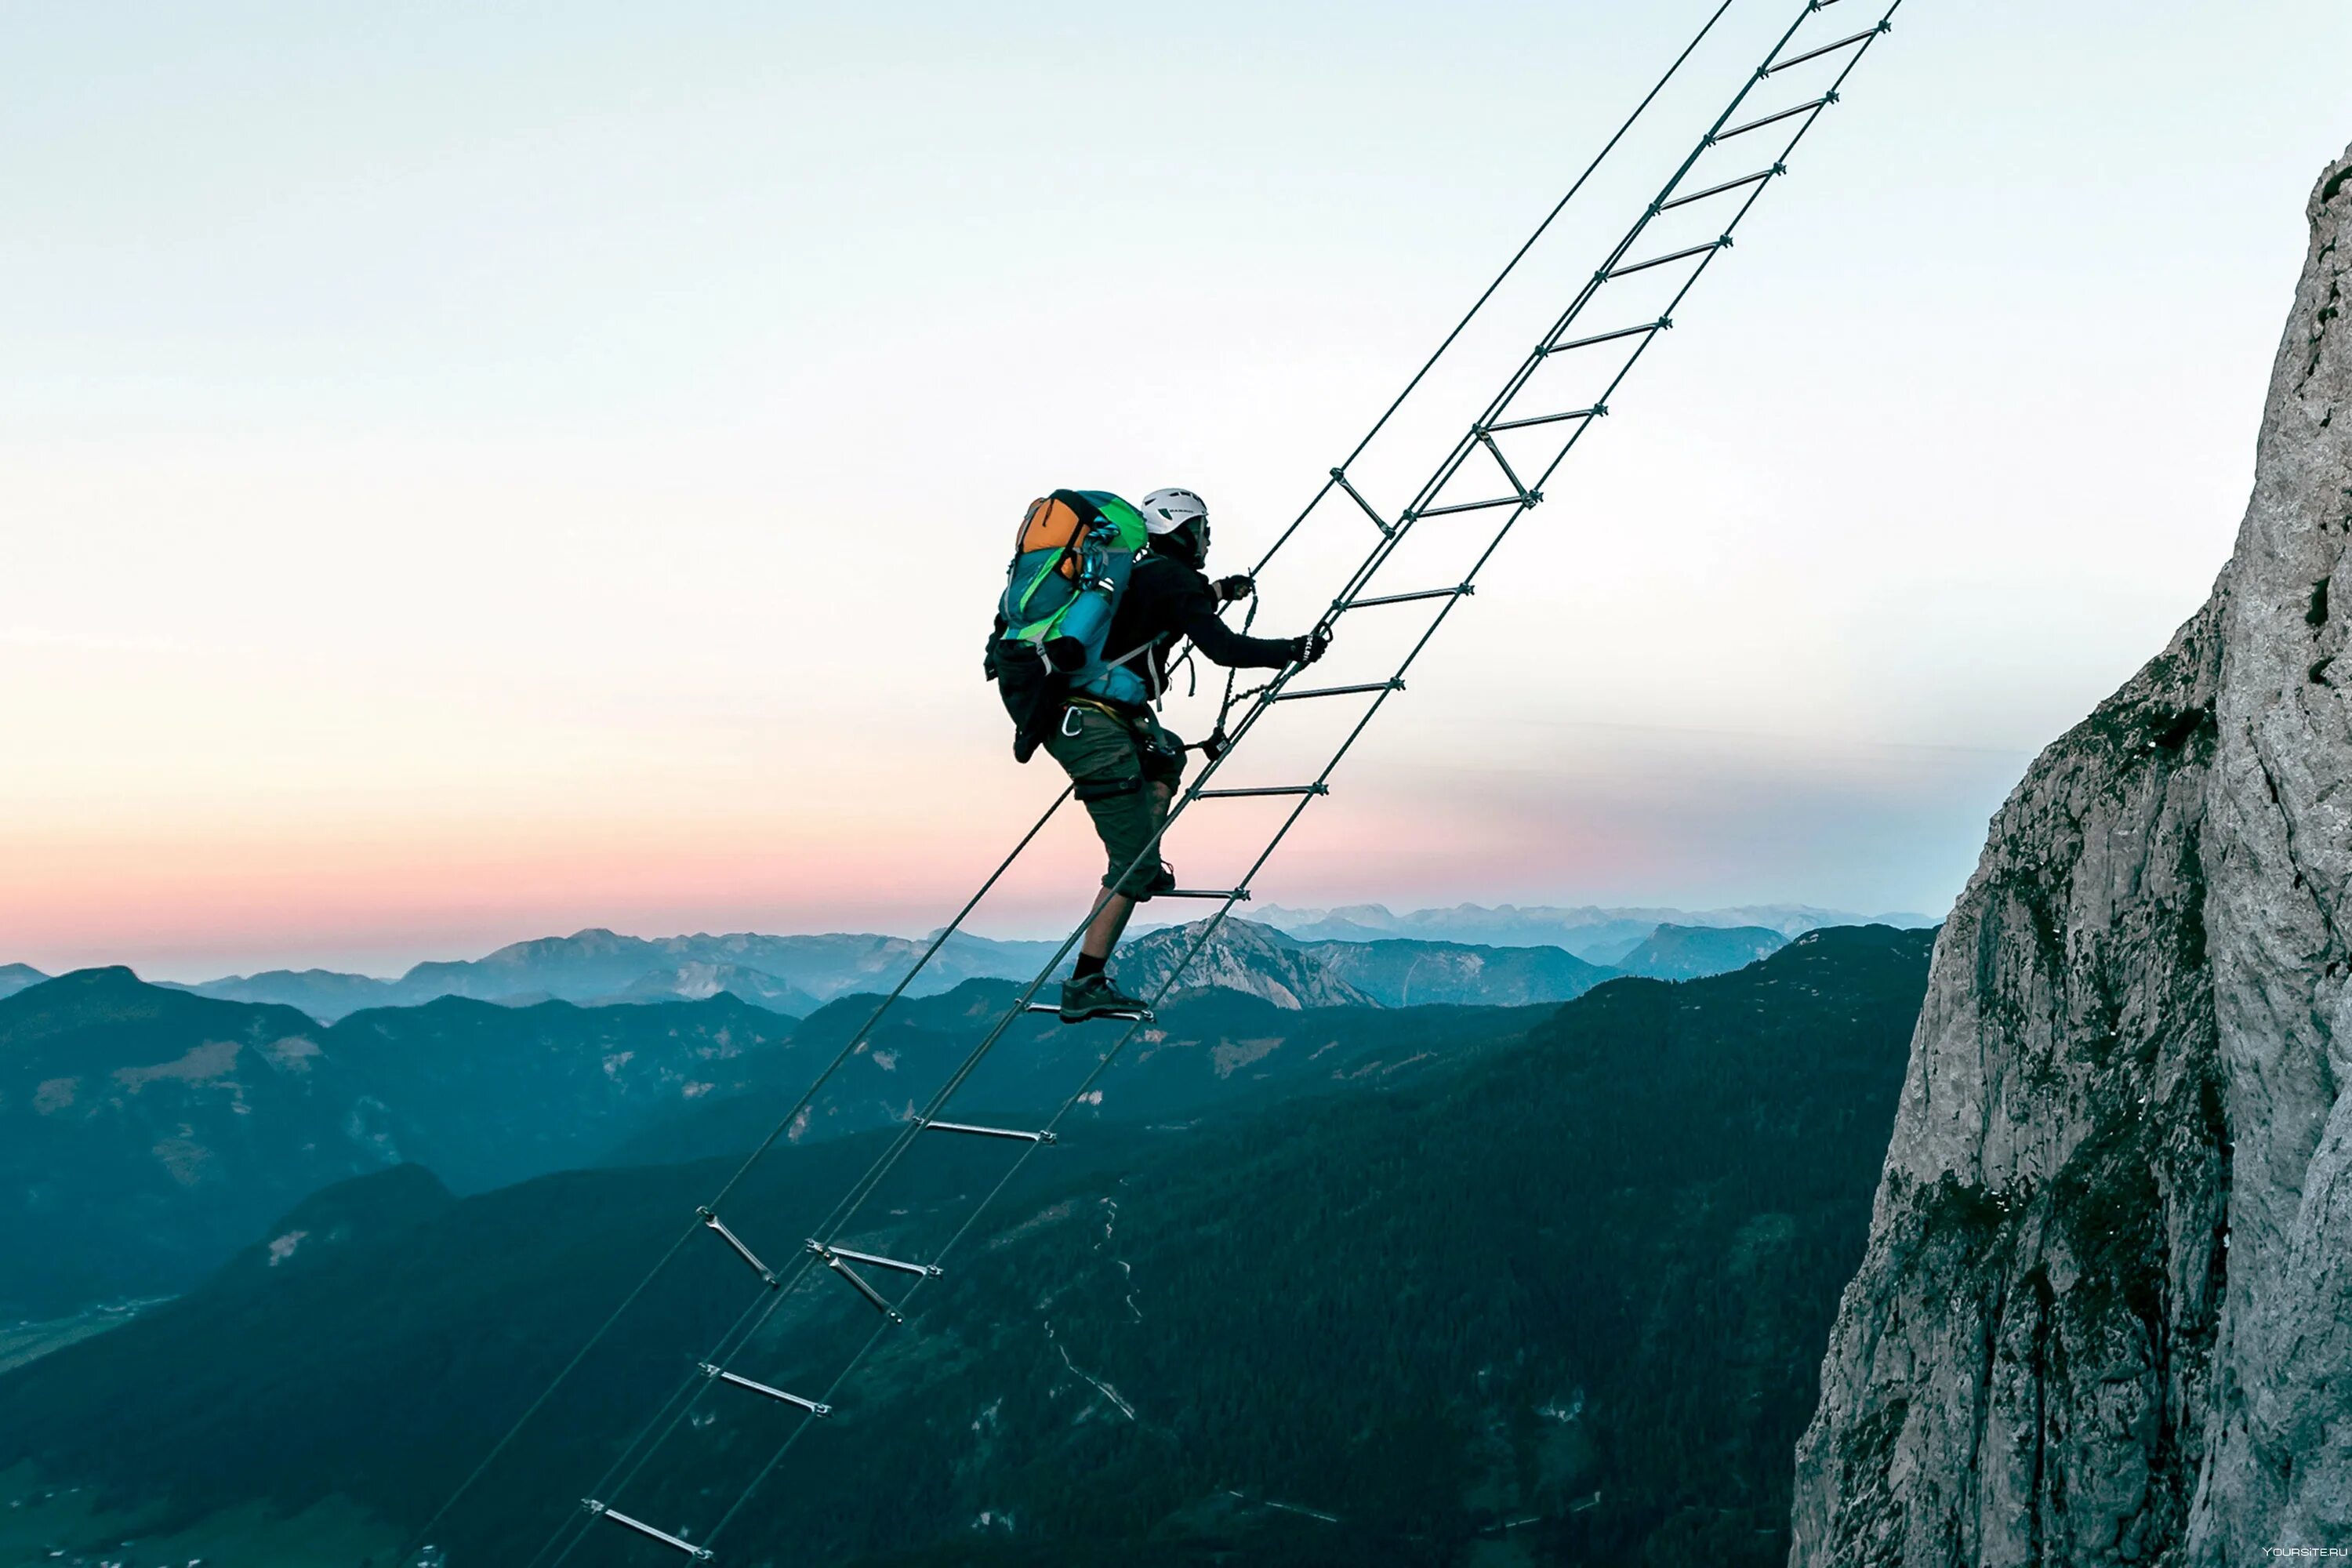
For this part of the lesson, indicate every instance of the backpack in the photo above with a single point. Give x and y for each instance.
(1070, 565)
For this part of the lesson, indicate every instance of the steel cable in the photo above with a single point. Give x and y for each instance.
(846, 1210)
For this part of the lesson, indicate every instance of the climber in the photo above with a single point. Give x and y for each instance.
(1124, 765)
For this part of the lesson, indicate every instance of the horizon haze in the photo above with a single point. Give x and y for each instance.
(449, 464)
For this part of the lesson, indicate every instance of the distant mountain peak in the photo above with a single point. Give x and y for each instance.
(1686, 953)
(101, 978)
(1597, 933)
(1239, 955)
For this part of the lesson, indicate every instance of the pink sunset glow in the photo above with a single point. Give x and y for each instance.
(588, 513)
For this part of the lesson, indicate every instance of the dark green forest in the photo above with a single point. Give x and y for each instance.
(1561, 1298)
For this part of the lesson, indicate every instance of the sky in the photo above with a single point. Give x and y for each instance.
(471, 472)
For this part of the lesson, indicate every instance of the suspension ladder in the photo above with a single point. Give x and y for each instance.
(1773, 109)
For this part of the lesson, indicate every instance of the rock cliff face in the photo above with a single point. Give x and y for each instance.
(2105, 1315)
(1239, 956)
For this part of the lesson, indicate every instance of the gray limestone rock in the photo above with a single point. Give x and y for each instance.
(2105, 1315)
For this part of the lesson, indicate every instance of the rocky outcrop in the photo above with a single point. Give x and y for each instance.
(1688, 953)
(2105, 1315)
(1238, 956)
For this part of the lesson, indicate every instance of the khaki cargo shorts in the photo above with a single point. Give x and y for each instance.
(1114, 763)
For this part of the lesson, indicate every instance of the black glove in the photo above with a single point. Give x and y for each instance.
(1236, 587)
(1313, 645)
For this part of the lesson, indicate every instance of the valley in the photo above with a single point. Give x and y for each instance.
(1584, 1244)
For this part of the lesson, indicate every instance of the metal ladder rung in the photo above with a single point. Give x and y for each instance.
(1486, 439)
(1720, 137)
(1263, 789)
(924, 1270)
(1862, 37)
(1388, 528)
(723, 1376)
(1662, 324)
(1744, 179)
(699, 1554)
(880, 1302)
(1671, 256)
(993, 1132)
(1144, 1017)
(1529, 500)
(719, 1228)
(1396, 685)
(1342, 607)
(1598, 411)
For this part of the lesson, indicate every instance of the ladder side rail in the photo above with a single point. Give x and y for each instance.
(1447, 606)
(615, 1478)
(1593, 285)
(1377, 556)
(1805, 116)
(1805, 119)
(912, 1132)
(425, 1531)
(845, 1211)
(1489, 293)
(1108, 1057)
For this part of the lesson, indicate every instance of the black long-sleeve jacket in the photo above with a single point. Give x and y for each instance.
(1167, 601)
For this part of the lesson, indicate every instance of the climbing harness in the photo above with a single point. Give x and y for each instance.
(1476, 478)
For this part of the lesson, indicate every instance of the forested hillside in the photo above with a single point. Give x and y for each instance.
(1575, 1286)
(146, 1133)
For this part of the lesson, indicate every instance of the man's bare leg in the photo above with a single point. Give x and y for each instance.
(1103, 931)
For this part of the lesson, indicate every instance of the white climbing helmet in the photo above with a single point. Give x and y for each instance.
(1165, 511)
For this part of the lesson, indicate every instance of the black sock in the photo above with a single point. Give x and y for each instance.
(1088, 966)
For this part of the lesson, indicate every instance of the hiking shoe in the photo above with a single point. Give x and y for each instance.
(1096, 997)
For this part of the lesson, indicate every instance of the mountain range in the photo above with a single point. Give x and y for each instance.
(144, 1130)
(1594, 933)
(795, 975)
(791, 974)
(1550, 1290)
